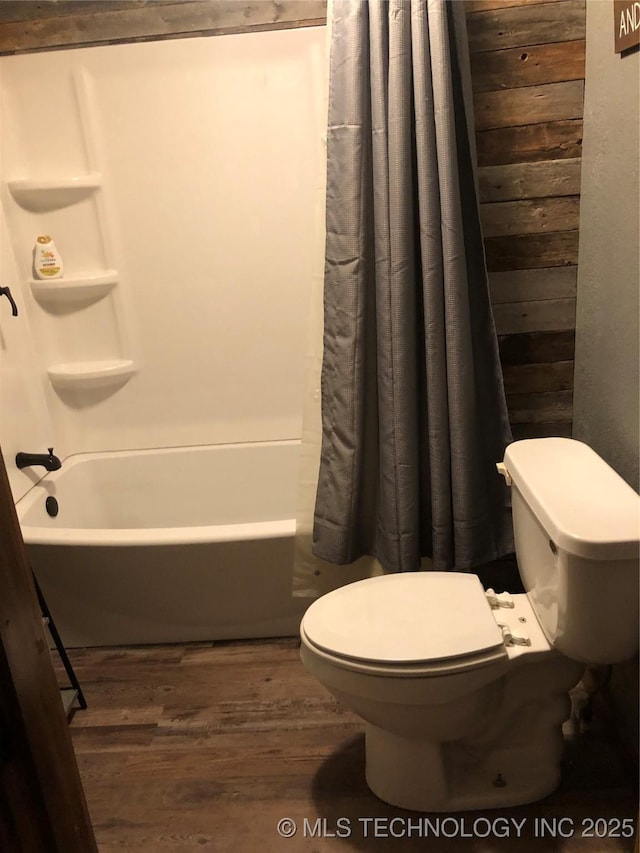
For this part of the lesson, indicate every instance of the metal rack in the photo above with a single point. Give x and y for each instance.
(74, 692)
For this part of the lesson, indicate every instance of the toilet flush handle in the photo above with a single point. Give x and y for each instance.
(502, 469)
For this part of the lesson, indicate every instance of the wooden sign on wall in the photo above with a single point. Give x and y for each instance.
(626, 24)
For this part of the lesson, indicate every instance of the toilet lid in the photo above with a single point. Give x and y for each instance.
(411, 617)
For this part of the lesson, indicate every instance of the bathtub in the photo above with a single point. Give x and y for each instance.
(171, 545)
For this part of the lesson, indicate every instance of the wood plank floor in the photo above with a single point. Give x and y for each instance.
(209, 746)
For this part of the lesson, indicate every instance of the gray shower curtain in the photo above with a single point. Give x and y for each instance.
(413, 411)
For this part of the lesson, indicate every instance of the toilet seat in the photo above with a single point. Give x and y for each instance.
(416, 623)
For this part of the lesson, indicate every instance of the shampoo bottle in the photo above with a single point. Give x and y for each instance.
(47, 262)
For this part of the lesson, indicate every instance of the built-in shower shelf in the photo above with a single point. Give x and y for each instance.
(85, 288)
(39, 195)
(86, 375)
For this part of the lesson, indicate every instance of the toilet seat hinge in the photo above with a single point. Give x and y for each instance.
(502, 600)
(511, 639)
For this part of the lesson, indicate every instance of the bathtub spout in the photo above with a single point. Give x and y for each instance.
(50, 462)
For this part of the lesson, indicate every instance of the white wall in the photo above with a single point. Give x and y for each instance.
(208, 152)
(607, 360)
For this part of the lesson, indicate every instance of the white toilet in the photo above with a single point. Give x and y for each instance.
(464, 692)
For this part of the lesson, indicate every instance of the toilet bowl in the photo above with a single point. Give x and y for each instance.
(463, 693)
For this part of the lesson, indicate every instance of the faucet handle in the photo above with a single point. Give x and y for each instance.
(50, 449)
(4, 291)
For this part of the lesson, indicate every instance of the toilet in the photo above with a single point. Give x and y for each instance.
(463, 692)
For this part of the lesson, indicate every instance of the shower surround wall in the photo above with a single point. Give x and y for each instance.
(178, 180)
(528, 76)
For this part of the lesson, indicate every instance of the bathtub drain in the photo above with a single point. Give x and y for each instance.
(51, 505)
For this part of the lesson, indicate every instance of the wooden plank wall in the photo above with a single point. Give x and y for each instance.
(27, 25)
(527, 63)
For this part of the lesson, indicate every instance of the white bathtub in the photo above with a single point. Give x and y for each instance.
(171, 545)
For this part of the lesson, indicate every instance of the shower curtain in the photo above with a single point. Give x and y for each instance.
(413, 410)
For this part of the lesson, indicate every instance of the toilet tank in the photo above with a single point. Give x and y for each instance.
(577, 535)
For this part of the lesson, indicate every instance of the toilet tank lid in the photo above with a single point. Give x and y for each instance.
(586, 508)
